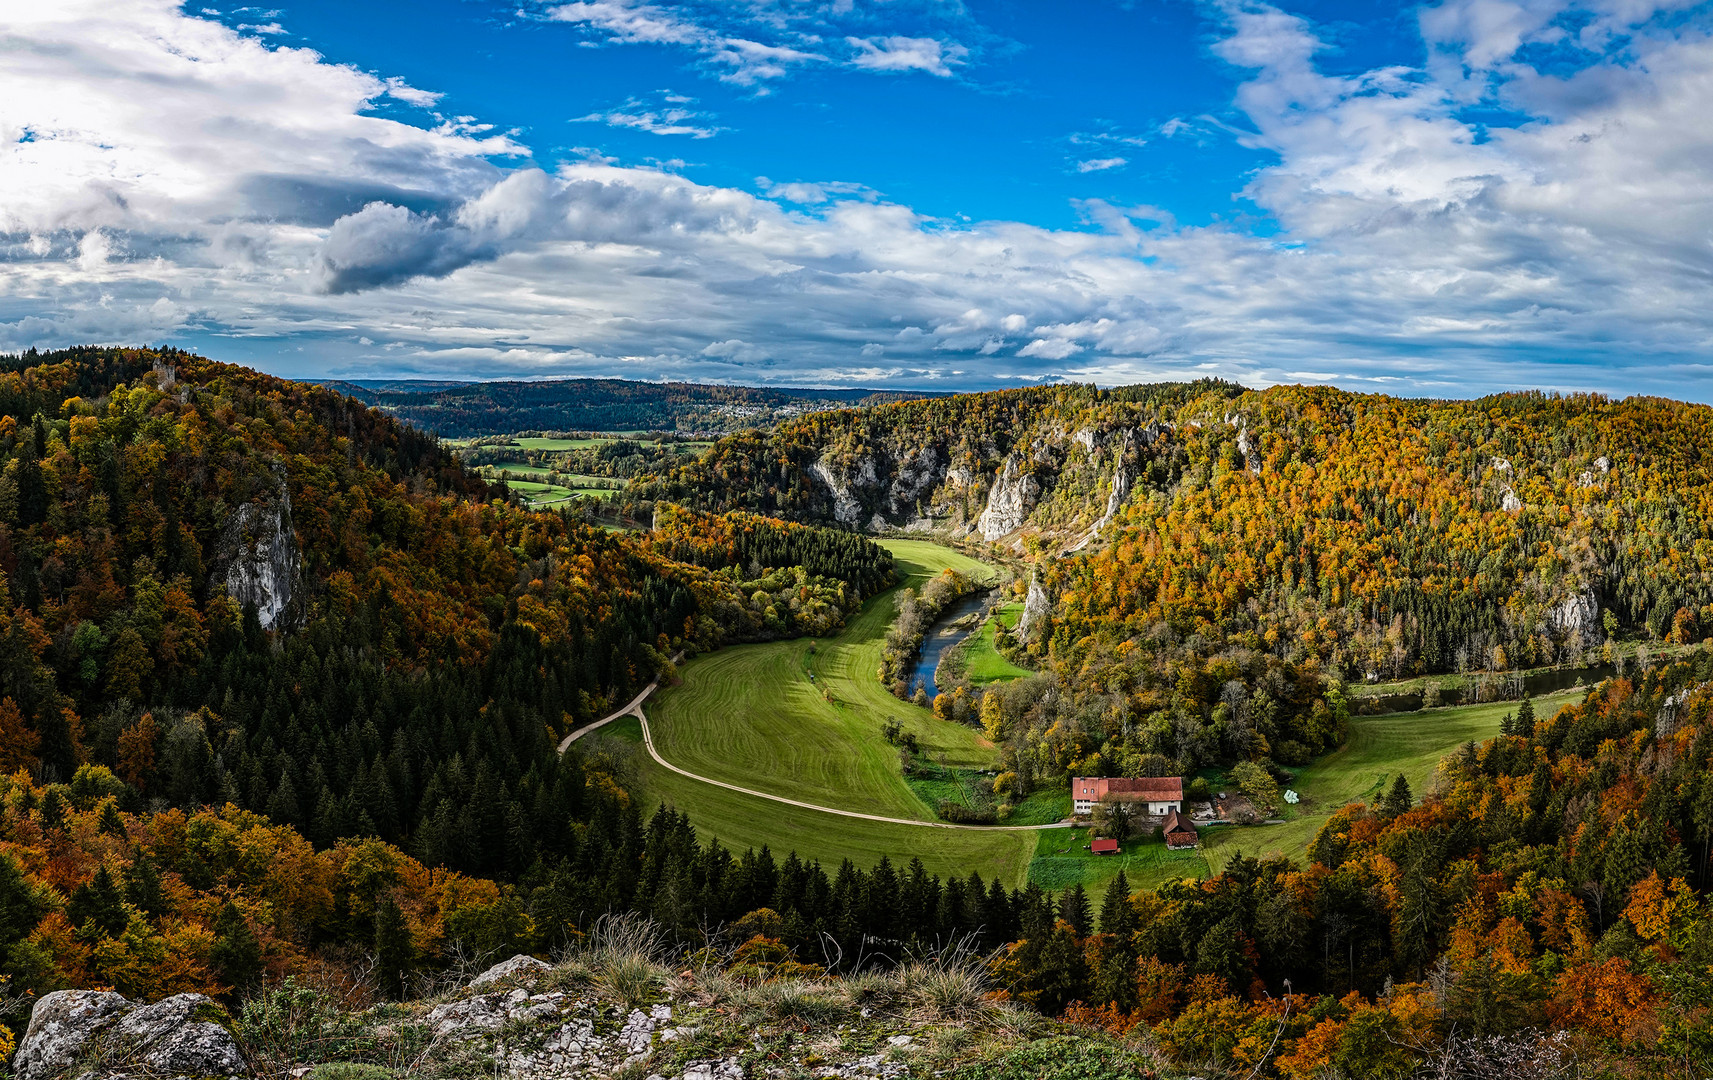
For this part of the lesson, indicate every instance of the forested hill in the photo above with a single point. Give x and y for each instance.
(1381, 535)
(504, 408)
(229, 588)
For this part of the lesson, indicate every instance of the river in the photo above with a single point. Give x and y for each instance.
(942, 636)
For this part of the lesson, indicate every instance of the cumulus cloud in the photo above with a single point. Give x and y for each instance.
(168, 178)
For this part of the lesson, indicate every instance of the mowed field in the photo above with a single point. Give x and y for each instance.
(751, 715)
(802, 718)
(742, 821)
(980, 660)
(1378, 749)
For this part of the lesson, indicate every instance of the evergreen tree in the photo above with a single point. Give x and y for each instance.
(1525, 722)
(395, 953)
(1075, 909)
(97, 908)
(1117, 916)
(1398, 800)
(237, 954)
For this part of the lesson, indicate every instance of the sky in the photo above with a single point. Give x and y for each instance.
(1447, 199)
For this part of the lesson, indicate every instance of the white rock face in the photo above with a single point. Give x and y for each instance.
(1036, 607)
(257, 558)
(1579, 612)
(164, 1038)
(1085, 438)
(1008, 504)
(1509, 502)
(916, 476)
(846, 509)
(1120, 492)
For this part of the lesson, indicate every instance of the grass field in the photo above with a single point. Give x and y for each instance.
(742, 821)
(802, 718)
(1061, 860)
(751, 715)
(1378, 749)
(977, 658)
(538, 494)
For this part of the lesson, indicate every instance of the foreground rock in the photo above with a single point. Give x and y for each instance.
(97, 1034)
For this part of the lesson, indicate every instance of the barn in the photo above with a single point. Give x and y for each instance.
(1155, 796)
(1180, 834)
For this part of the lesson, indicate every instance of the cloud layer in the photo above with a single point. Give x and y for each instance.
(168, 178)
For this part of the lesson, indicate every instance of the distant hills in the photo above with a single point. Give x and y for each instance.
(461, 410)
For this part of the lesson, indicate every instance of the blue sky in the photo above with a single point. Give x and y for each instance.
(1002, 137)
(1441, 199)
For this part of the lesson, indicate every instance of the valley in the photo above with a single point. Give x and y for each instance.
(803, 719)
(289, 688)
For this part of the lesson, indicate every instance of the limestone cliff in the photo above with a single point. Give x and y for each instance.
(257, 557)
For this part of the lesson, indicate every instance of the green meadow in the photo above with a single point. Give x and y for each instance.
(752, 715)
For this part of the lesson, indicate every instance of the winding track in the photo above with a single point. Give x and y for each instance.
(635, 709)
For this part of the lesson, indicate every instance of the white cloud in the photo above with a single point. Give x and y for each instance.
(906, 54)
(754, 43)
(1101, 164)
(168, 178)
(669, 117)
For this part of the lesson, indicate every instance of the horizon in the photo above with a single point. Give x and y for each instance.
(1441, 200)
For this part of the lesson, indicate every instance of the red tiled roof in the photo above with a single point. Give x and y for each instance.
(1148, 788)
(1101, 847)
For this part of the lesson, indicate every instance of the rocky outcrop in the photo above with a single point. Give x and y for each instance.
(847, 510)
(1114, 500)
(1578, 613)
(257, 558)
(1009, 501)
(519, 970)
(103, 1035)
(1036, 607)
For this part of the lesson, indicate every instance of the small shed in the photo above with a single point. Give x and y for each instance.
(1180, 834)
(1104, 846)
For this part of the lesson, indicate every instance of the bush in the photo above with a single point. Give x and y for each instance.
(964, 815)
(1062, 1057)
(1199, 791)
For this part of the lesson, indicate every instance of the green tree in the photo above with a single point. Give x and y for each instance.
(237, 952)
(1117, 916)
(395, 952)
(96, 908)
(1398, 800)
(1258, 784)
(1112, 818)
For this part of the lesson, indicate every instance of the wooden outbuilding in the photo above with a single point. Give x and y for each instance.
(1180, 834)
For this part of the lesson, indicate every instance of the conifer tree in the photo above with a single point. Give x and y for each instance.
(1398, 800)
(237, 954)
(1116, 914)
(395, 953)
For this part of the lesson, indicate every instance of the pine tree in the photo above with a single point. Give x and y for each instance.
(1116, 914)
(97, 908)
(1398, 800)
(1075, 909)
(1525, 722)
(395, 953)
(237, 953)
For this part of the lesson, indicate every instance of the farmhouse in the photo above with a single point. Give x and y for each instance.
(1154, 795)
(1180, 834)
